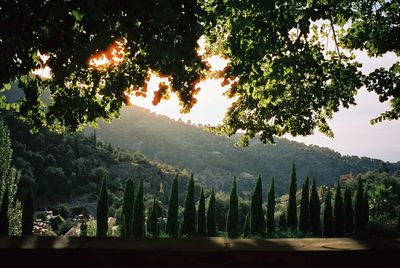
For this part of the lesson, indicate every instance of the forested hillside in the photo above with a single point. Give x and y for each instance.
(215, 160)
(67, 168)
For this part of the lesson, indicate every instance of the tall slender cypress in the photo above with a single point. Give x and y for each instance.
(315, 210)
(127, 209)
(292, 207)
(256, 211)
(138, 213)
(189, 214)
(246, 226)
(338, 213)
(232, 229)
(4, 222)
(271, 208)
(328, 220)
(154, 226)
(173, 206)
(282, 222)
(27, 213)
(211, 216)
(359, 207)
(365, 208)
(348, 212)
(102, 210)
(201, 215)
(304, 221)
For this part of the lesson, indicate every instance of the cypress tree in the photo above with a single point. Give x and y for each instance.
(246, 226)
(102, 210)
(348, 212)
(328, 220)
(138, 213)
(271, 208)
(201, 215)
(292, 209)
(359, 207)
(338, 214)
(365, 208)
(27, 213)
(315, 210)
(282, 222)
(189, 214)
(154, 226)
(173, 205)
(256, 211)
(211, 216)
(127, 209)
(4, 223)
(232, 229)
(304, 221)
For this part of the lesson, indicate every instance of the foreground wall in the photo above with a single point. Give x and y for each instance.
(39, 251)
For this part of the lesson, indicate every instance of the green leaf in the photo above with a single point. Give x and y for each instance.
(77, 15)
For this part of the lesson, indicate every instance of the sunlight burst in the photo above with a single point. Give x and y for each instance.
(113, 56)
(44, 72)
(213, 95)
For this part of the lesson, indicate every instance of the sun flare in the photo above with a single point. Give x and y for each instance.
(113, 56)
(43, 72)
(157, 89)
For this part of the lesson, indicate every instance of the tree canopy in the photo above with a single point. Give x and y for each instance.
(288, 79)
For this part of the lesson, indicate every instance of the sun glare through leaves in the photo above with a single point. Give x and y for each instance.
(212, 90)
(113, 56)
(157, 87)
(44, 72)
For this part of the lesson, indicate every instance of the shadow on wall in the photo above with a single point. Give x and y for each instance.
(198, 252)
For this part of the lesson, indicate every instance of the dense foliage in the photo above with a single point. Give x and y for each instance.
(10, 206)
(66, 168)
(288, 80)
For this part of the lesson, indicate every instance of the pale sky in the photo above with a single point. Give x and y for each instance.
(354, 135)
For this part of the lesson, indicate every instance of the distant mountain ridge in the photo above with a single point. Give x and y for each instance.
(215, 160)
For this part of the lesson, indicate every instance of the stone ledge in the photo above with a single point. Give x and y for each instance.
(197, 252)
(199, 244)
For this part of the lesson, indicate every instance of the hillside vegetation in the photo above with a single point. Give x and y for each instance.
(215, 159)
(66, 168)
